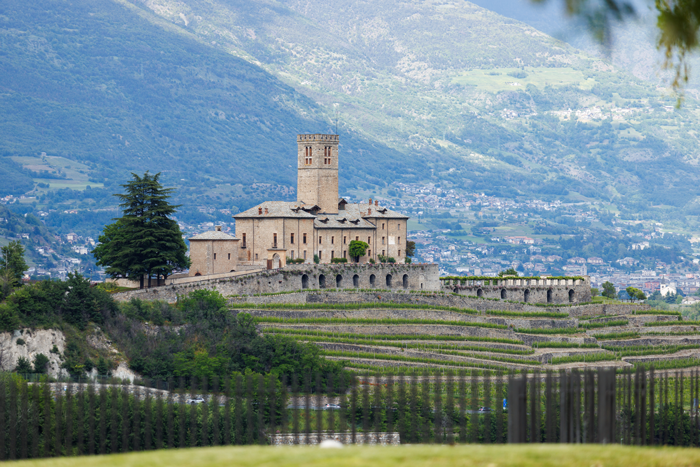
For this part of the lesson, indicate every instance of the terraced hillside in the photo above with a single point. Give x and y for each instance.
(379, 336)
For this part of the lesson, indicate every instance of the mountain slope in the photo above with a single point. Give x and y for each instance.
(106, 84)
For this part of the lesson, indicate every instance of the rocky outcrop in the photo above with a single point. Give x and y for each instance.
(28, 343)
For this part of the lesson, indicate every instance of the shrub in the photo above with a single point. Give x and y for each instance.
(317, 260)
(8, 317)
(20, 341)
(339, 260)
(41, 363)
(386, 259)
(23, 366)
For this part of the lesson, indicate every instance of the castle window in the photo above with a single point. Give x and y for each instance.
(320, 239)
(274, 240)
(383, 240)
(304, 254)
(256, 256)
(399, 252)
(244, 244)
(345, 253)
(369, 253)
(332, 254)
(229, 256)
(304, 239)
(357, 239)
(398, 226)
(332, 240)
(320, 255)
(382, 225)
(292, 254)
(383, 252)
(248, 255)
(399, 242)
(292, 240)
(369, 240)
(345, 240)
(214, 256)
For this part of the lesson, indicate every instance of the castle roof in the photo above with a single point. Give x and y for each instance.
(349, 216)
(214, 235)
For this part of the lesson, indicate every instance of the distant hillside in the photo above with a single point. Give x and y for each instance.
(212, 93)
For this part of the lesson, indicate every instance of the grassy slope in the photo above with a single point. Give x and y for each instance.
(405, 456)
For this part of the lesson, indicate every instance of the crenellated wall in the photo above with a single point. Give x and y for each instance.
(525, 289)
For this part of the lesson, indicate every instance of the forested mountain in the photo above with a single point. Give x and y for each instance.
(212, 93)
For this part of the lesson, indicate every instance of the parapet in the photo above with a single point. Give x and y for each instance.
(317, 138)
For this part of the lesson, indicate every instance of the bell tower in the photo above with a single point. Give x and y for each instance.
(317, 181)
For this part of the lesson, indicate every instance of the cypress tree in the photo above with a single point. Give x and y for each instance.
(145, 241)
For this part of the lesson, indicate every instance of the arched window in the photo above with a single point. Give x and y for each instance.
(388, 280)
(338, 281)
(405, 281)
(549, 296)
(356, 280)
(321, 281)
(503, 294)
(304, 281)
(372, 280)
(526, 297)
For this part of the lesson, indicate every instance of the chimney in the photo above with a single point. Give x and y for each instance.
(259, 211)
(369, 211)
(376, 203)
(370, 201)
(218, 228)
(266, 211)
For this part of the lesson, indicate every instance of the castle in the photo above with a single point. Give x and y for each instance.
(319, 223)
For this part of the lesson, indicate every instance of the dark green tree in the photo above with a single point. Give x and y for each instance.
(410, 249)
(635, 293)
(41, 363)
(609, 290)
(12, 264)
(24, 366)
(145, 241)
(357, 249)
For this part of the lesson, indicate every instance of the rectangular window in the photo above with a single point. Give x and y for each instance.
(332, 254)
(304, 254)
(256, 256)
(274, 240)
(333, 240)
(229, 256)
(369, 240)
(248, 255)
(399, 240)
(320, 239)
(383, 240)
(382, 225)
(292, 254)
(383, 252)
(214, 255)
(399, 226)
(399, 252)
(292, 240)
(357, 238)
(320, 255)
(369, 253)
(304, 239)
(243, 240)
(345, 240)
(345, 253)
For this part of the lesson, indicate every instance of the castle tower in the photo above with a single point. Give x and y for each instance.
(317, 181)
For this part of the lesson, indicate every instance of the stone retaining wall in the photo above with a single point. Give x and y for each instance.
(525, 289)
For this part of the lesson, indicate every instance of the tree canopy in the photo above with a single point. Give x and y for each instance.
(12, 264)
(145, 241)
(357, 249)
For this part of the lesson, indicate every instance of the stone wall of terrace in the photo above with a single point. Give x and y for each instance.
(524, 289)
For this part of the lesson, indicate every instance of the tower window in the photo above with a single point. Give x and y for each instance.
(292, 240)
(383, 240)
(382, 225)
(304, 239)
(274, 240)
(369, 240)
(256, 256)
(332, 240)
(320, 239)
(244, 241)
(214, 255)
(345, 253)
(320, 255)
(399, 252)
(229, 256)
(332, 254)
(345, 240)
(304, 254)
(399, 242)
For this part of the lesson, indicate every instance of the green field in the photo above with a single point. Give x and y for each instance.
(540, 455)
(498, 79)
(76, 173)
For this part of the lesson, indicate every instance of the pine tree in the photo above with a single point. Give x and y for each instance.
(145, 241)
(12, 264)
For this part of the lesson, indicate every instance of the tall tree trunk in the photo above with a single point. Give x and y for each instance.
(149, 279)
(141, 281)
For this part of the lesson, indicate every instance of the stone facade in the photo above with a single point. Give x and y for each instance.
(319, 223)
(213, 252)
(525, 290)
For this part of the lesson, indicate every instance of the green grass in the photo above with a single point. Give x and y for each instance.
(401, 358)
(525, 455)
(549, 331)
(670, 364)
(672, 323)
(656, 312)
(587, 358)
(617, 335)
(392, 337)
(617, 322)
(562, 345)
(540, 77)
(426, 347)
(393, 306)
(388, 321)
(642, 350)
